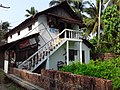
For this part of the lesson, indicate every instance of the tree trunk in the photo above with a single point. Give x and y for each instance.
(98, 43)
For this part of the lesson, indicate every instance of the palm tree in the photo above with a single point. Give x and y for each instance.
(76, 5)
(31, 12)
(5, 26)
(3, 29)
(92, 19)
(55, 2)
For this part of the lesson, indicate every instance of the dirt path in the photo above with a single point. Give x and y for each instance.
(3, 87)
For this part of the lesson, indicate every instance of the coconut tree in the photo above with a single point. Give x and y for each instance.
(55, 2)
(31, 12)
(76, 5)
(5, 26)
(92, 20)
(3, 29)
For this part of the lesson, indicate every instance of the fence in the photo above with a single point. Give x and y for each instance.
(104, 56)
(58, 80)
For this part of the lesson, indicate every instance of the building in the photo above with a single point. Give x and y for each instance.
(49, 39)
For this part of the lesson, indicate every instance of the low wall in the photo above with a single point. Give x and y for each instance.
(107, 56)
(58, 80)
(104, 56)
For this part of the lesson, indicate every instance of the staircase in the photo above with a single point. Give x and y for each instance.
(48, 49)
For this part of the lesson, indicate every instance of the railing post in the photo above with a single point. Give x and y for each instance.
(77, 35)
(65, 33)
(47, 64)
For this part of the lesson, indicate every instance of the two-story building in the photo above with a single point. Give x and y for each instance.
(49, 39)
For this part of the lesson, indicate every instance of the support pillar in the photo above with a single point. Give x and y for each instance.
(48, 63)
(67, 50)
(81, 51)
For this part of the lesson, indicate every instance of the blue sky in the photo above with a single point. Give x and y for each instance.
(16, 13)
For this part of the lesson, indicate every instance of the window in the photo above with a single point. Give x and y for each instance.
(72, 54)
(18, 33)
(83, 56)
(30, 27)
(11, 36)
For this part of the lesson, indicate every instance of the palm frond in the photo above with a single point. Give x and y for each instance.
(28, 11)
(31, 12)
(53, 2)
(27, 15)
(89, 3)
(95, 27)
(91, 12)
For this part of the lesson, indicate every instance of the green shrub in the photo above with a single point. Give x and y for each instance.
(109, 69)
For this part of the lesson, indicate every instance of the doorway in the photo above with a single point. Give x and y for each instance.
(61, 28)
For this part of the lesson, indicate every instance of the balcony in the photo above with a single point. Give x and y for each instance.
(71, 34)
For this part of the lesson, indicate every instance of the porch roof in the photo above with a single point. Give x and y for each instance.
(12, 44)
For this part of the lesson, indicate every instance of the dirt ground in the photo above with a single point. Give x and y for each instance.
(5, 83)
(3, 87)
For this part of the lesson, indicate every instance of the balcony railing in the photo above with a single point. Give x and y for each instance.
(72, 34)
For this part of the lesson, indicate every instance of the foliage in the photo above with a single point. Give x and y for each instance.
(5, 26)
(110, 38)
(112, 28)
(91, 20)
(109, 69)
(2, 34)
(3, 29)
(31, 12)
(76, 5)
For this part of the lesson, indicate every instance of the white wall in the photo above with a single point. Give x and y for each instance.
(87, 53)
(6, 66)
(23, 33)
(86, 50)
(57, 56)
(46, 34)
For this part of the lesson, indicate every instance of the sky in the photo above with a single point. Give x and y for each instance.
(16, 14)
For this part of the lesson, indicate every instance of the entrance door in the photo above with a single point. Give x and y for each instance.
(83, 56)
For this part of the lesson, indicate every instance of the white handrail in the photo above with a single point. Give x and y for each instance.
(40, 49)
(47, 43)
